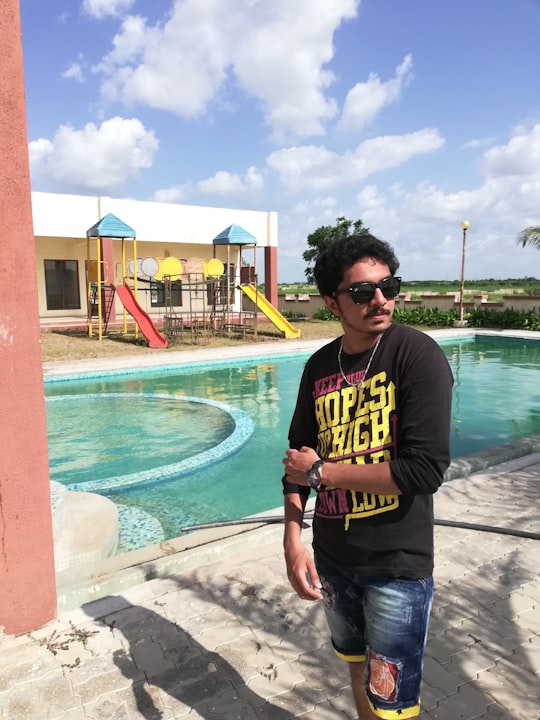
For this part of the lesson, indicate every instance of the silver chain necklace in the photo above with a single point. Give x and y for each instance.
(345, 378)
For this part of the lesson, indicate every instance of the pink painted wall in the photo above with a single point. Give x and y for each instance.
(27, 579)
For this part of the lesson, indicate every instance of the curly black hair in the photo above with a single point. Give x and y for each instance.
(346, 251)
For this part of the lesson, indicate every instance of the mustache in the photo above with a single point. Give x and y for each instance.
(379, 311)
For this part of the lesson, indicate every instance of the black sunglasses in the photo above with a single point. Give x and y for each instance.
(364, 292)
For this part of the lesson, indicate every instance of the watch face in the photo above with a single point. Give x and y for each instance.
(314, 478)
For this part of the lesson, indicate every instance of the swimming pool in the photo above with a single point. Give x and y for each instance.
(104, 430)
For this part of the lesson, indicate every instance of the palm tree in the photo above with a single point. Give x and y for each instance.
(530, 236)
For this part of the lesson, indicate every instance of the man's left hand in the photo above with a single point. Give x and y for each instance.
(298, 462)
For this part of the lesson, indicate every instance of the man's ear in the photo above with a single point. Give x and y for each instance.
(332, 305)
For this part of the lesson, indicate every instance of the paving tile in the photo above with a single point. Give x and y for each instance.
(467, 704)
(437, 676)
(324, 671)
(240, 661)
(22, 703)
(24, 664)
(512, 687)
(290, 704)
(528, 654)
(195, 682)
(345, 703)
(231, 640)
(328, 711)
(475, 659)
(430, 697)
(229, 706)
(76, 713)
(101, 684)
(271, 679)
(446, 569)
(529, 620)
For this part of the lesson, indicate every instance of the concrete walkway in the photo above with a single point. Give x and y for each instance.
(207, 626)
(229, 639)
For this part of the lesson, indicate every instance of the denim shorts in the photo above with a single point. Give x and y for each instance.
(384, 622)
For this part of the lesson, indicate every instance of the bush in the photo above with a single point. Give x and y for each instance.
(476, 317)
(515, 319)
(425, 316)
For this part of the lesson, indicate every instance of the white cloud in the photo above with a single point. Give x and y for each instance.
(174, 194)
(104, 8)
(96, 158)
(423, 223)
(268, 50)
(365, 100)
(521, 156)
(221, 184)
(74, 72)
(316, 167)
(282, 61)
(226, 183)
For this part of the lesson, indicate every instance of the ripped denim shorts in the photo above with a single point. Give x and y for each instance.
(384, 622)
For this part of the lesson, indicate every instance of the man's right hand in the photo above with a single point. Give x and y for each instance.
(302, 573)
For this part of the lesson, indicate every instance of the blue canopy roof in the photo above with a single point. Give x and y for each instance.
(110, 226)
(234, 235)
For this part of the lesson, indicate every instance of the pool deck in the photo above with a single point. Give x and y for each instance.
(210, 628)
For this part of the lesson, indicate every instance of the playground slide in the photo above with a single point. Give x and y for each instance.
(270, 311)
(148, 329)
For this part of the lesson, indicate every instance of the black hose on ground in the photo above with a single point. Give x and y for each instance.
(489, 528)
(274, 519)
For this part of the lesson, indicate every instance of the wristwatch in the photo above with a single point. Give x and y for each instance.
(314, 474)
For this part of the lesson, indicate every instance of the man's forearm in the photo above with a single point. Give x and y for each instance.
(293, 511)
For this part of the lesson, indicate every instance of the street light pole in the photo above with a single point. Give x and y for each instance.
(464, 227)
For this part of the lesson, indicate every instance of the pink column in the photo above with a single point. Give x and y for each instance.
(107, 255)
(27, 579)
(270, 275)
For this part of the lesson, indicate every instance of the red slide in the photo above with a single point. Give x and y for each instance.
(148, 329)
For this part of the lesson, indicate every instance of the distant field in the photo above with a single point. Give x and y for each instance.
(495, 288)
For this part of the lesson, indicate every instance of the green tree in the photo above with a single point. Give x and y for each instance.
(530, 236)
(326, 234)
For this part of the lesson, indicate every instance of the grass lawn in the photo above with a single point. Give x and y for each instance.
(76, 345)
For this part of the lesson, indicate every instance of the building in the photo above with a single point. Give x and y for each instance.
(64, 253)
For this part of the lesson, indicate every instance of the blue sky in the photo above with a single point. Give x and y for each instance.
(411, 115)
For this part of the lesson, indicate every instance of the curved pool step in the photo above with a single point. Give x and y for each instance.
(86, 528)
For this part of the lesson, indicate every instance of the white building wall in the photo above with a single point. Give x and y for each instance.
(71, 216)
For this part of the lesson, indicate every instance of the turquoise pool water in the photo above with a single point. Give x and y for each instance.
(205, 443)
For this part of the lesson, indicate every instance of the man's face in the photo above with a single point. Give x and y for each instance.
(371, 317)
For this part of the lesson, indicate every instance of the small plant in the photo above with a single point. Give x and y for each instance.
(323, 313)
(292, 315)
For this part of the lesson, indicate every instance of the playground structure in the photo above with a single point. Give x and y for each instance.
(199, 297)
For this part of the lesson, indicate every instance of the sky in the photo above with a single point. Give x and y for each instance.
(410, 115)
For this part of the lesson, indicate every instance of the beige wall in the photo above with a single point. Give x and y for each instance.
(308, 304)
(75, 249)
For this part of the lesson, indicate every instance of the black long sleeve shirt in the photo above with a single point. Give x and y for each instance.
(401, 416)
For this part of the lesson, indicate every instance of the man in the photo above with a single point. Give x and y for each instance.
(370, 433)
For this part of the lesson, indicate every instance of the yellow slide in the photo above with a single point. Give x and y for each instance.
(270, 311)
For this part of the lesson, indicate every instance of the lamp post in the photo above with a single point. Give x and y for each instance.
(464, 227)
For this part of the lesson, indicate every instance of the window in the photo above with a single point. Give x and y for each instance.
(62, 285)
(220, 287)
(159, 297)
